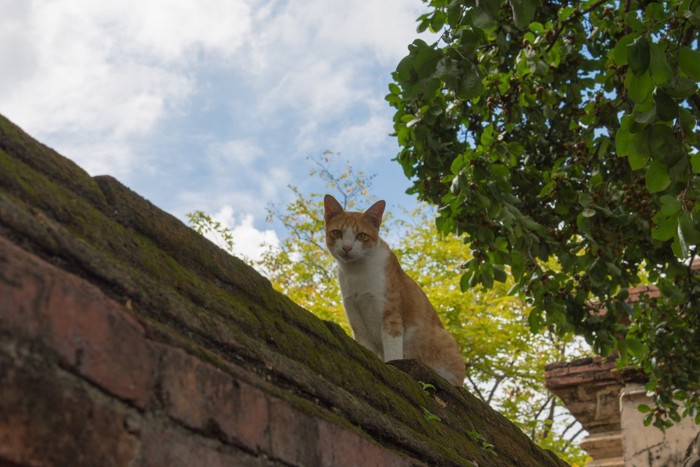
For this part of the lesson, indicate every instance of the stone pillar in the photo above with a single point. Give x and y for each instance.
(590, 389)
(647, 446)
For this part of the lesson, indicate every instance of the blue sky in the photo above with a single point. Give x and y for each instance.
(210, 104)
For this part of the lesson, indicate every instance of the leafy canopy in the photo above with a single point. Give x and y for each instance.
(561, 140)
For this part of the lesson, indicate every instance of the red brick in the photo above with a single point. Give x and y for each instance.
(341, 447)
(210, 400)
(293, 434)
(91, 333)
(167, 446)
(46, 420)
(253, 418)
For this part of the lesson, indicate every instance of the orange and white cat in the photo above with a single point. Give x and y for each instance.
(387, 311)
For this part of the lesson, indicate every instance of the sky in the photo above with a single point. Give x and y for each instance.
(212, 105)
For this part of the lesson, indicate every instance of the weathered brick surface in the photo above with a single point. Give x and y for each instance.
(45, 420)
(56, 422)
(210, 400)
(168, 446)
(338, 447)
(91, 333)
(293, 435)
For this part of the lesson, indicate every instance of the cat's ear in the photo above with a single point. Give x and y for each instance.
(331, 208)
(375, 212)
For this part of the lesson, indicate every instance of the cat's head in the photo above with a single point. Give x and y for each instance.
(351, 236)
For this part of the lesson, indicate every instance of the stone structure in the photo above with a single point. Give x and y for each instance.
(590, 389)
(605, 402)
(128, 339)
(648, 446)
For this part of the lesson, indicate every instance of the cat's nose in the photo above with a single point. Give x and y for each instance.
(347, 248)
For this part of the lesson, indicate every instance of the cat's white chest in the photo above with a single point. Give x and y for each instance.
(363, 286)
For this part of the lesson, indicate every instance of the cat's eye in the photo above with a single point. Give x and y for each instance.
(362, 236)
(336, 233)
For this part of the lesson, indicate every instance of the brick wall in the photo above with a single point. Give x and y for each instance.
(127, 339)
(83, 385)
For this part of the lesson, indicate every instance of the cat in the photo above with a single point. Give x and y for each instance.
(388, 312)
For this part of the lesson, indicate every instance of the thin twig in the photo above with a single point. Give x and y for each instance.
(576, 15)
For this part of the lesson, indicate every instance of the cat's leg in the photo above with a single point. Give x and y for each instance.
(392, 335)
(439, 350)
(363, 335)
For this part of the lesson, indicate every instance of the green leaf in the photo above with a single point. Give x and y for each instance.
(404, 69)
(695, 163)
(429, 416)
(666, 106)
(517, 264)
(437, 21)
(681, 88)
(689, 61)
(636, 348)
(523, 12)
(633, 21)
(619, 53)
(465, 281)
(645, 117)
(665, 229)
(643, 408)
(585, 199)
(485, 13)
(669, 205)
(639, 87)
(663, 144)
(657, 177)
(687, 225)
(499, 273)
(535, 320)
(639, 55)
(471, 86)
(624, 136)
(639, 150)
(661, 72)
(426, 60)
(588, 212)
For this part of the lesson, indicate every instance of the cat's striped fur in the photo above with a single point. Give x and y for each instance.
(387, 311)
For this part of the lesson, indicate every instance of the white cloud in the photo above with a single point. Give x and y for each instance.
(233, 155)
(108, 71)
(199, 104)
(369, 137)
(321, 66)
(248, 242)
(172, 29)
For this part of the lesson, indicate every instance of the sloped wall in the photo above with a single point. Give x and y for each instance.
(127, 339)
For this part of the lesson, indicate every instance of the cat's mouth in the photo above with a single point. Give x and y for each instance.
(346, 257)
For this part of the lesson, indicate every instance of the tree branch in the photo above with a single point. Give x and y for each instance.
(575, 17)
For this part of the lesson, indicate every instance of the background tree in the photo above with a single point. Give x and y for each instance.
(561, 139)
